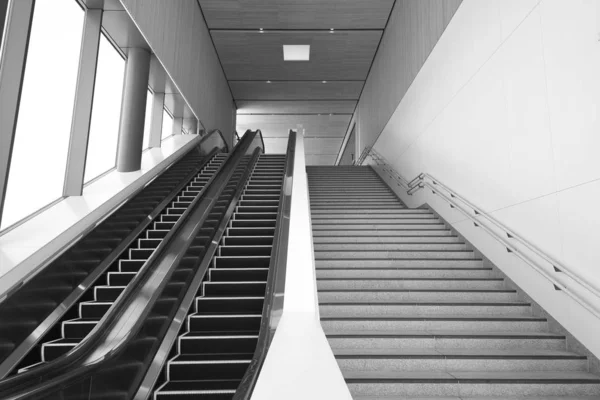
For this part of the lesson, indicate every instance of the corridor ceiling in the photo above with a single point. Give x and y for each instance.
(321, 93)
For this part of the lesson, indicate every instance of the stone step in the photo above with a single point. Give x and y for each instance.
(393, 310)
(410, 283)
(472, 383)
(403, 273)
(359, 296)
(444, 339)
(448, 360)
(437, 322)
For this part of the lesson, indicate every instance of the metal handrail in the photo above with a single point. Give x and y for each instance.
(273, 305)
(148, 383)
(38, 334)
(474, 213)
(17, 386)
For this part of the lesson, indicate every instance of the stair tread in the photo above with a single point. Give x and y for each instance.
(473, 376)
(443, 333)
(461, 353)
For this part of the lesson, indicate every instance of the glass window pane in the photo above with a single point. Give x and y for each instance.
(39, 155)
(167, 125)
(104, 127)
(146, 142)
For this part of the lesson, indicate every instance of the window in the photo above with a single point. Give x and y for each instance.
(167, 125)
(104, 127)
(146, 142)
(39, 155)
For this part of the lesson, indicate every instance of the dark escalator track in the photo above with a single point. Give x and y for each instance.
(90, 275)
(111, 284)
(221, 331)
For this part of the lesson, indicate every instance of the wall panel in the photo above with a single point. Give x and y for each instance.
(180, 39)
(413, 30)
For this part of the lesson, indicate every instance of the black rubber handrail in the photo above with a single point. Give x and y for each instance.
(85, 356)
(147, 386)
(27, 342)
(273, 305)
(27, 345)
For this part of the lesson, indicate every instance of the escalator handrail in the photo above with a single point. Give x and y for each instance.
(49, 322)
(273, 303)
(218, 131)
(163, 354)
(30, 275)
(65, 367)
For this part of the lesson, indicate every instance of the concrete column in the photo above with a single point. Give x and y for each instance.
(12, 70)
(158, 79)
(84, 97)
(177, 125)
(133, 110)
(156, 120)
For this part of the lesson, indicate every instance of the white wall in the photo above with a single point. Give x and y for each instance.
(177, 34)
(504, 111)
(412, 32)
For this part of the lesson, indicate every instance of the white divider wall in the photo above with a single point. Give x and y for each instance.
(300, 364)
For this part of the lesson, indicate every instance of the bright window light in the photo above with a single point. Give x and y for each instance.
(104, 127)
(296, 52)
(167, 125)
(148, 120)
(39, 154)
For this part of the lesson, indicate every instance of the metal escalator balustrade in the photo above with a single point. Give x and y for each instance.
(410, 310)
(221, 332)
(114, 280)
(31, 310)
(112, 360)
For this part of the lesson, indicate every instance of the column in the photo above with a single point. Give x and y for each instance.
(133, 110)
(158, 80)
(14, 57)
(84, 97)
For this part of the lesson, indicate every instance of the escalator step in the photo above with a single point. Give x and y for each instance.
(77, 329)
(120, 278)
(131, 265)
(245, 250)
(224, 323)
(238, 274)
(262, 231)
(227, 289)
(248, 241)
(181, 369)
(194, 344)
(107, 293)
(267, 223)
(229, 305)
(242, 262)
(93, 309)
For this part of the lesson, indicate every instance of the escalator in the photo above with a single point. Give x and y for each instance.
(49, 314)
(197, 321)
(114, 280)
(221, 331)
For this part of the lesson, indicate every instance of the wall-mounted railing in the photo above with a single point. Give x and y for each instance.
(513, 243)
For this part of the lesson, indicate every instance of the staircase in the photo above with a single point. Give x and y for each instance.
(213, 353)
(411, 311)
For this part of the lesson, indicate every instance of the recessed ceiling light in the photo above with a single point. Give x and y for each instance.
(296, 52)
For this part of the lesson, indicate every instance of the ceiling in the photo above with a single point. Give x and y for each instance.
(275, 95)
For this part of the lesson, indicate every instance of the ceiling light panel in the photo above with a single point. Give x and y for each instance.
(296, 52)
